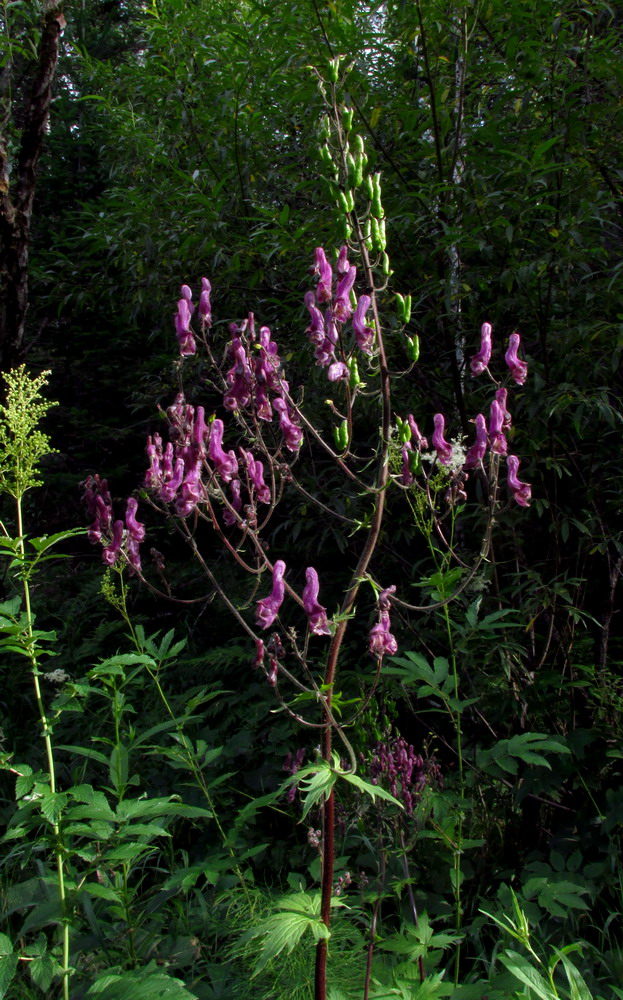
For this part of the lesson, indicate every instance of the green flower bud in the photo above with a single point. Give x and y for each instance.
(347, 118)
(340, 436)
(413, 347)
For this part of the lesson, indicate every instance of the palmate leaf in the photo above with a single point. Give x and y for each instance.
(300, 912)
(139, 984)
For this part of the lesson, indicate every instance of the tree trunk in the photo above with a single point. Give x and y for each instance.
(17, 190)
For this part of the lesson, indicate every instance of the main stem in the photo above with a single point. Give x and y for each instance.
(328, 844)
(34, 667)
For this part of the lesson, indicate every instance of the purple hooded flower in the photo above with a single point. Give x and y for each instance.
(236, 502)
(364, 335)
(480, 361)
(407, 477)
(522, 492)
(316, 326)
(323, 269)
(342, 309)
(134, 528)
(501, 395)
(337, 371)
(239, 378)
(316, 614)
(268, 607)
(185, 337)
(476, 453)
(496, 434)
(255, 469)
(418, 438)
(226, 464)
(292, 433)
(110, 552)
(170, 487)
(441, 446)
(205, 307)
(518, 369)
(381, 641)
(342, 261)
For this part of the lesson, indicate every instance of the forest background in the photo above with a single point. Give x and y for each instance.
(183, 139)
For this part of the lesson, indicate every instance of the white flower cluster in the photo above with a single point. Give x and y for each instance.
(57, 676)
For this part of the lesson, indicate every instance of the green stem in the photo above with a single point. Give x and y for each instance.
(46, 731)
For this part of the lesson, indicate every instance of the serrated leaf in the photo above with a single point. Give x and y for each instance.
(8, 965)
(140, 984)
(42, 971)
(101, 891)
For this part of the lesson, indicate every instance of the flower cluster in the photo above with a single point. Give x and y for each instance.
(267, 608)
(194, 460)
(381, 641)
(115, 536)
(490, 434)
(406, 773)
(255, 380)
(324, 330)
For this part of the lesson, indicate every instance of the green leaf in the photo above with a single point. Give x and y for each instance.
(8, 964)
(374, 791)
(42, 970)
(521, 968)
(315, 782)
(284, 930)
(139, 984)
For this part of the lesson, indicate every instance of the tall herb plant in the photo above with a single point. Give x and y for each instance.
(200, 483)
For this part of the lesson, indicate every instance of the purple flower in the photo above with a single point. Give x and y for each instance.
(268, 607)
(522, 492)
(111, 551)
(323, 269)
(292, 433)
(342, 261)
(201, 432)
(441, 446)
(316, 614)
(134, 528)
(153, 476)
(259, 654)
(173, 483)
(500, 395)
(364, 335)
(415, 433)
(228, 516)
(316, 325)
(476, 453)
(338, 370)
(239, 378)
(342, 309)
(519, 369)
(205, 307)
(381, 641)
(226, 464)
(496, 435)
(480, 361)
(182, 326)
(407, 476)
(255, 470)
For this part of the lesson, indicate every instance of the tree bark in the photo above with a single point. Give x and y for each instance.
(17, 191)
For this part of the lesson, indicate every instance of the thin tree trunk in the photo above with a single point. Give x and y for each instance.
(17, 190)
